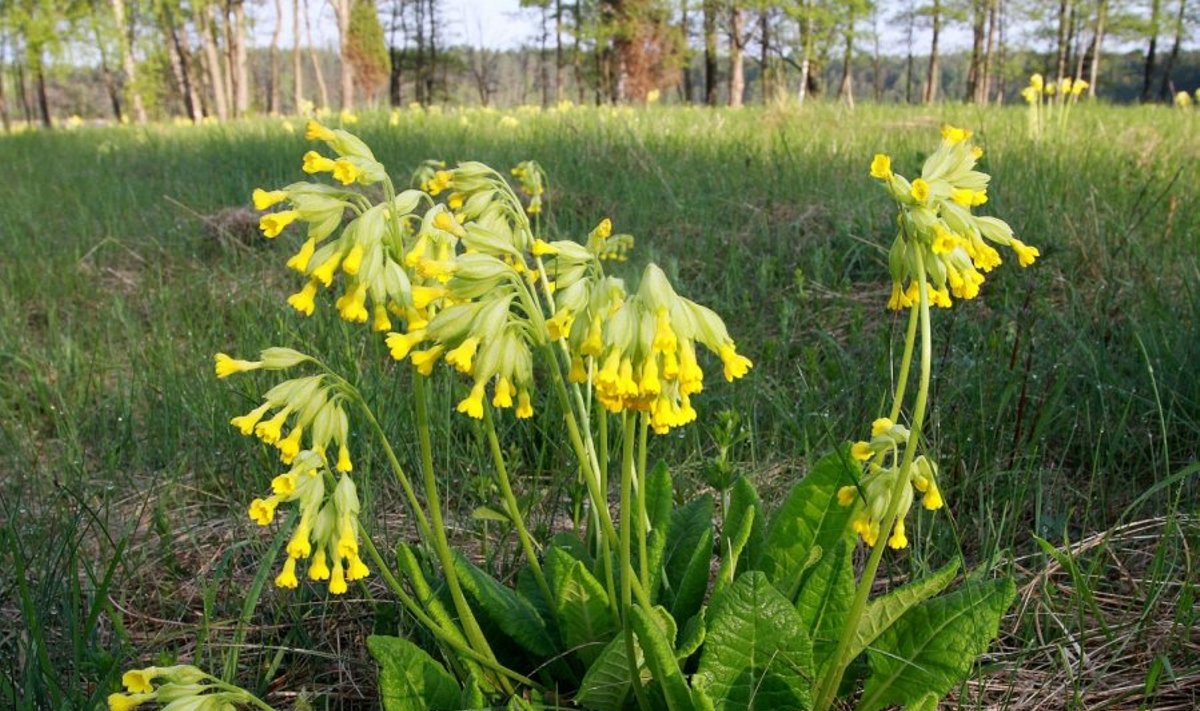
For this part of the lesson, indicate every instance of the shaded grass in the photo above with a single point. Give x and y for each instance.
(1059, 397)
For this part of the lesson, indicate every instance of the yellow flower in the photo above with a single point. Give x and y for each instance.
(138, 681)
(425, 360)
(287, 576)
(357, 569)
(245, 423)
(316, 163)
(401, 343)
(319, 568)
(124, 702)
(324, 271)
(932, 500)
(380, 321)
(472, 404)
(273, 223)
(345, 172)
(1035, 81)
(578, 372)
(593, 345)
(944, 241)
(226, 366)
(846, 495)
(455, 201)
(264, 200)
(262, 511)
(881, 425)
(881, 166)
(735, 365)
(963, 196)
(920, 190)
(463, 356)
(664, 336)
(604, 229)
(343, 461)
(423, 296)
(269, 431)
(542, 249)
(352, 305)
(289, 446)
(559, 325)
(1026, 254)
(314, 131)
(955, 135)
(503, 393)
(898, 540)
(304, 300)
(353, 261)
(299, 260)
(524, 407)
(337, 583)
(861, 451)
(898, 300)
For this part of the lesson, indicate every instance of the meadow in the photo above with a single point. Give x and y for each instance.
(1067, 402)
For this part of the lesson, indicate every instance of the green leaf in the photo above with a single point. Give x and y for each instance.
(733, 540)
(659, 499)
(471, 696)
(743, 502)
(824, 601)
(513, 614)
(810, 516)
(660, 657)
(689, 593)
(691, 636)
(928, 702)
(756, 655)
(883, 611)
(606, 684)
(932, 647)
(410, 570)
(585, 619)
(688, 524)
(410, 679)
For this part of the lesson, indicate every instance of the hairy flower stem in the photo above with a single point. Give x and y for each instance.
(828, 686)
(510, 502)
(627, 572)
(642, 520)
(440, 545)
(448, 637)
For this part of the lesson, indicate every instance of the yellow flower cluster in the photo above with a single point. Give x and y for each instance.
(328, 527)
(176, 687)
(1067, 88)
(936, 225)
(872, 495)
(532, 180)
(639, 353)
(314, 408)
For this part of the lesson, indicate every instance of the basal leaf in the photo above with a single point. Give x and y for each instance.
(660, 657)
(410, 679)
(756, 655)
(606, 685)
(824, 600)
(932, 647)
(513, 614)
(688, 524)
(691, 636)
(744, 502)
(885, 610)
(810, 516)
(585, 619)
(689, 593)
(659, 500)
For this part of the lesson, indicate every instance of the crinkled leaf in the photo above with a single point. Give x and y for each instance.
(688, 524)
(585, 619)
(691, 636)
(743, 502)
(659, 500)
(928, 702)
(756, 655)
(660, 657)
(824, 600)
(513, 614)
(883, 611)
(733, 541)
(606, 685)
(810, 516)
(932, 648)
(410, 679)
(689, 593)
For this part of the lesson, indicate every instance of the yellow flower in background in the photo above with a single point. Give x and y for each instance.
(881, 167)
(955, 135)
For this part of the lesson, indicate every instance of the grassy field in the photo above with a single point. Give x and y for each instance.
(1066, 400)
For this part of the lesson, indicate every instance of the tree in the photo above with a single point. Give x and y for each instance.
(1167, 88)
(931, 78)
(710, 52)
(1152, 31)
(365, 48)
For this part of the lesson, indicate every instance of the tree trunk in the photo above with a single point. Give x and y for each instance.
(577, 54)
(43, 101)
(985, 91)
(975, 69)
(543, 63)
(876, 55)
(806, 41)
(212, 60)
(559, 76)
(110, 82)
(297, 64)
(1060, 65)
(908, 65)
(1148, 72)
(1166, 88)
(225, 26)
(764, 30)
(737, 75)
(341, 11)
(1097, 43)
(710, 52)
(273, 91)
(687, 50)
(846, 88)
(241, 65)
(931, 80)
(3, 97)
(23, 93)
(322, 87)
(125, 29)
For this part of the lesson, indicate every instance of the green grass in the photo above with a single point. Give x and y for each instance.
(1064, 393)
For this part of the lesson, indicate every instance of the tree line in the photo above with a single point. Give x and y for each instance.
(194, 58)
